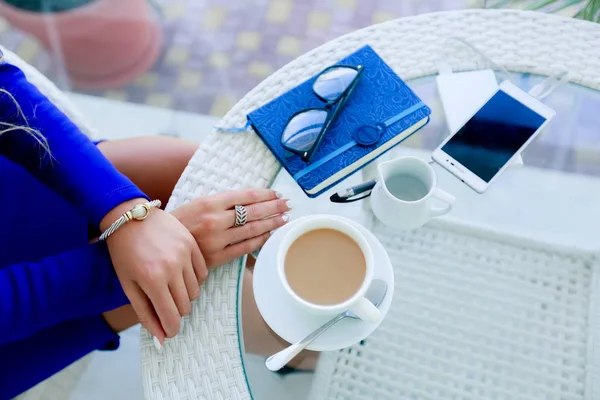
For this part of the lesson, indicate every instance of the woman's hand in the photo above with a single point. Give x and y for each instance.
(211, 220)
(159, 265)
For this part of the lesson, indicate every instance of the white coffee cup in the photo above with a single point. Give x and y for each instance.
(357, 303)
(402, 197)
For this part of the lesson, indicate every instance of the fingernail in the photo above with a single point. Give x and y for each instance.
(286, 217)
(181, 327)
(157, 344)
(279, 195)
(289, 204)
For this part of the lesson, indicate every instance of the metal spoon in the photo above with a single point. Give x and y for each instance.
(375, 294)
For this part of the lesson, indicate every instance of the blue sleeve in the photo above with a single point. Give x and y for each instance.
(27, 362)
(73, 284)
(75, 168)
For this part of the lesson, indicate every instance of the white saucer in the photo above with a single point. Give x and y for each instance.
(293, 323)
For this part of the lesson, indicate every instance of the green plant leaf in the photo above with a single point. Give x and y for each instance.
(567, 4)
(591, 12)
(590, 9)
(501, 4)
(541, 4)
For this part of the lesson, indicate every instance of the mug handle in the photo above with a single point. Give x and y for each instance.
(446, 198)
(366, 311)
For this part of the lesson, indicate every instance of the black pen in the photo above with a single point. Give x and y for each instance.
(346, 196)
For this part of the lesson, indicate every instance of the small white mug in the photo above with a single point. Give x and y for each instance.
(357, 303)
(402, 196)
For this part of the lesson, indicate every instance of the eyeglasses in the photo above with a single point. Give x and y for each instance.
(305, 129)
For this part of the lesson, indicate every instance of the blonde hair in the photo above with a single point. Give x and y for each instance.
(6, 127)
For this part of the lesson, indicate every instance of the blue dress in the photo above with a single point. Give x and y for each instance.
(53, 284)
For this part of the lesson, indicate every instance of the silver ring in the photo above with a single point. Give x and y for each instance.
(241, 216)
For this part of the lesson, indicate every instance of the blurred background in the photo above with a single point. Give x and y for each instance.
(199, 56)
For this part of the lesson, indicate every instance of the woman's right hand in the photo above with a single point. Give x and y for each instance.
(160, 267)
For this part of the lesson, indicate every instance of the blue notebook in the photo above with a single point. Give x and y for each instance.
(381, 98)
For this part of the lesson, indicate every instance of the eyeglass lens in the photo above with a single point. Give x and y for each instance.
(331, 84)
(303, 129)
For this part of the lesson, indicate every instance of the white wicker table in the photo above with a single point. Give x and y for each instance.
(497, 301)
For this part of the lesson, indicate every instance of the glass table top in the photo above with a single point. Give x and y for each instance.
(476, 305)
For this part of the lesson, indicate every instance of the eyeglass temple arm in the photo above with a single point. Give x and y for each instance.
(331, 119)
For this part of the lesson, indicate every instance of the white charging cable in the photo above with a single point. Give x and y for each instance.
(495, 66)
(559, 79)
(539, 91)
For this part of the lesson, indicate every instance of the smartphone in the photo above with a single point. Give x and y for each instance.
(484, 146)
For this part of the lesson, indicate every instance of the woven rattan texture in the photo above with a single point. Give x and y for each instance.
(204, 361)
(474, 317)
(206, 354)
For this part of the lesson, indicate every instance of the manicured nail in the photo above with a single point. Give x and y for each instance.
(286, 217)
(181, 326)
(279, 195)
(157, 344)
(289, 204)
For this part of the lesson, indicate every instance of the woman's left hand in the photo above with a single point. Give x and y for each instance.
(211, 220)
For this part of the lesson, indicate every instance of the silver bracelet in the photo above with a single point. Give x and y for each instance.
(139, 213)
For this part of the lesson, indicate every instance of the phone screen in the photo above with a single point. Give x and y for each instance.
(493, 135)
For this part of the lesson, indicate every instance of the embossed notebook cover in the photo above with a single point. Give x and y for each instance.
(381, 98)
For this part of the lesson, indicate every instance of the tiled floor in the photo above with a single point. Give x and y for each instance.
(216, 51)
